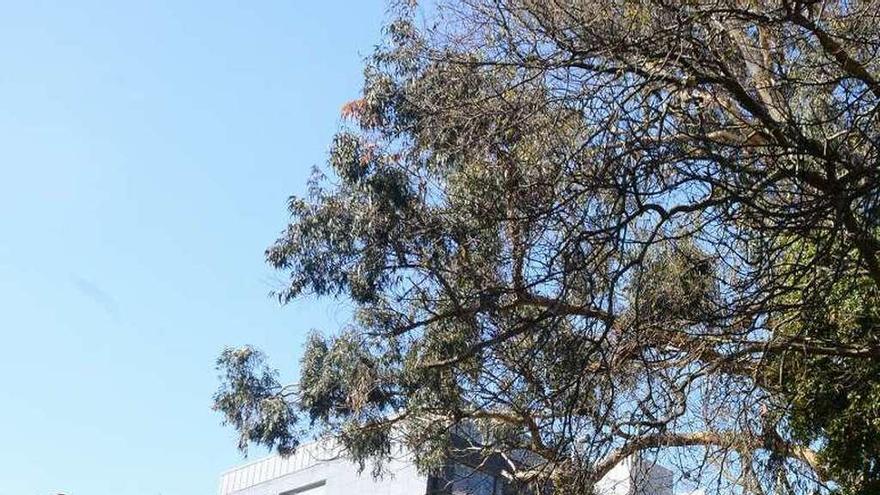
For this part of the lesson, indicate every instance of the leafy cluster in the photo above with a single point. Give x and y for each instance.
(834, 395)
(251, 401)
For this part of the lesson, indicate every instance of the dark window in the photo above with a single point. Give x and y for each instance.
(469, 481)
(310, 489)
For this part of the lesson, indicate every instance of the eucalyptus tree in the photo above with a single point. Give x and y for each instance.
(575, 231)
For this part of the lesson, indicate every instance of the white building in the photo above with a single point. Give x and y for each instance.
(315, 470)
(635, 476)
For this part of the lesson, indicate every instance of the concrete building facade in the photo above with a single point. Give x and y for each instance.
(316, 469)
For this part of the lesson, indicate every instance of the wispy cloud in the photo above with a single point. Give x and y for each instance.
(97, 295)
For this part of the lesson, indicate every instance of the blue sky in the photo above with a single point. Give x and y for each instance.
(147, 150)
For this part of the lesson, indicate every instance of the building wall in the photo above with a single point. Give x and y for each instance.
(634, 476)
(317, 470)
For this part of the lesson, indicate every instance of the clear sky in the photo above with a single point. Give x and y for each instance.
(147, 150)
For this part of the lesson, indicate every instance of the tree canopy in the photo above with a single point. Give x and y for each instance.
(575, 231)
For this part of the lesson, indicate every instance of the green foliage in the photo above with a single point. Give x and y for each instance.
(250, 400)
(835, 397)
(340, 379)
(674, 283)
